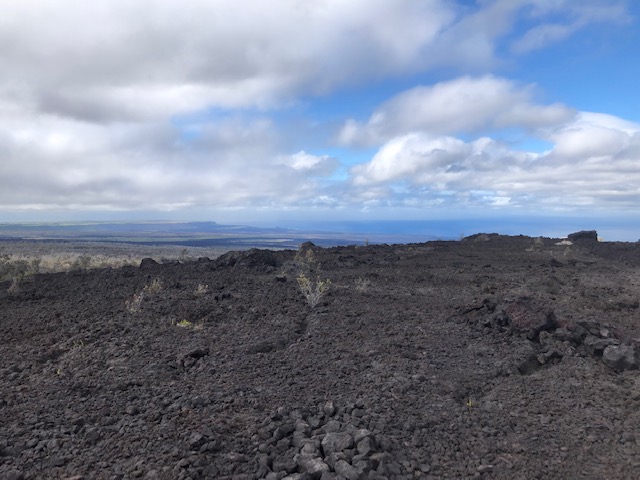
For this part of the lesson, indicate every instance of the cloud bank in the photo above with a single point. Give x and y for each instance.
(150, 105)
(464, 105)
(121, 60)
(593, 164)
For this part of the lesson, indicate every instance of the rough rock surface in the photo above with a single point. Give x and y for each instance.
(583, 236)
(495, 357)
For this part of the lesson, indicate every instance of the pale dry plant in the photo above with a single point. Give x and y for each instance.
(305, 260)
(35, 265)
(154, 287)
(313, 290)
(184, 256)
(201, 290)
(362, 284)
(82, 262)
(134, 303)
(538, 245)
(17, 269)
(15, 285)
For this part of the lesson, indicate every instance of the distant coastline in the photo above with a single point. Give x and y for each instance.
(196, 234)
(292, 233)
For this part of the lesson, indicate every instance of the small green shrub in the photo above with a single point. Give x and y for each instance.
(187, 325)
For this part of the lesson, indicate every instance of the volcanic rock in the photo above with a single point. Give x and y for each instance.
(584, 236)
(473, 359)
(620, 357)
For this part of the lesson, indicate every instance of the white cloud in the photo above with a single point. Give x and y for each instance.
(97, 100)
(589, 142)
(466, 104)
(88, 91)
(317, 164)
(437, 161)
(80, 165)
(109, 60)
(114, 60)
(595, 163)
(593, 135)
(411, 157)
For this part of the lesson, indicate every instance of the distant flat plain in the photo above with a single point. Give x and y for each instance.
(60, 246)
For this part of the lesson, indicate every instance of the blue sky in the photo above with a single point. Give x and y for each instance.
(281, 111)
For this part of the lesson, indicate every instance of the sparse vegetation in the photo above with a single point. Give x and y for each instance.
(16, 270)
(33, 257)
(154, 287)
(83, 262)
(184, 256)
(306, 268)
(313, 290)
(15, 286)
(35, 265)
(305, 261)
(362, 284)
(538, 245)
(201, 290)
(134, 303)
(186, 324)
(21, 265)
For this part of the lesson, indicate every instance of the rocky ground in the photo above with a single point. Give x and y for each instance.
(493, 357)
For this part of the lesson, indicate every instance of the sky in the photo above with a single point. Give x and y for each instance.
(280, 111)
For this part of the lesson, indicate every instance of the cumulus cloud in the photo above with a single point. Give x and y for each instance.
(121, 60)
(592, 135)
(594, 163)
(466, 104)
(89, 92)
(117, 59)
(422, 159)
(313, 164)
(82, 165)
(94, 96)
